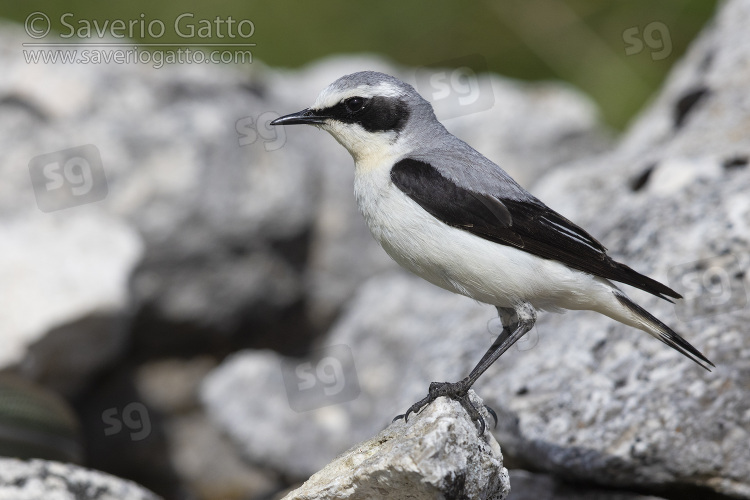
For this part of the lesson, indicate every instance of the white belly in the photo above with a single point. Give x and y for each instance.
(458, 261)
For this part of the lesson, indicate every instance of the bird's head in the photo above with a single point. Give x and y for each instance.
(369, 113)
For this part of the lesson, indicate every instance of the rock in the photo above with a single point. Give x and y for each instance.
(170, 386)
(209, 465)
(38, 479)
(204, 460)
(437, 454)
(125, 436)
(535, 486)
(66, 301)
(182, 155)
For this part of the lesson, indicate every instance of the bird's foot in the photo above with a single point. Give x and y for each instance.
(458, 391)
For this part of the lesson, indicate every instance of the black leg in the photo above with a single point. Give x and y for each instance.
(509, 320)
(520, 320)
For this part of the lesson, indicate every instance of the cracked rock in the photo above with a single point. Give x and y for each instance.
(437, 454)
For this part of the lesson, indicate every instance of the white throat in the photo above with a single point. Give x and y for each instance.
(367, 148)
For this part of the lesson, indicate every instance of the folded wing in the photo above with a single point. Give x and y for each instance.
(528, 225)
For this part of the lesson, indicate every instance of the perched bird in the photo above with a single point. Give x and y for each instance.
(445, 212)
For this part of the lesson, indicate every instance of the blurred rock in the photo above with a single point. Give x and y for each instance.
(125, 436)
(437, 454)
(210, 466)
(204, 460)
(65, 303)
(536, 486)
(170, 385)
(183, 155)
(581, 397)
(37, 479)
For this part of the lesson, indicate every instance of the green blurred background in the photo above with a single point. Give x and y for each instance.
(617, 52)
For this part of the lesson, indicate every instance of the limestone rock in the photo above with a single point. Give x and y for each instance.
(66, 300)
(438, 454)
(40, 479)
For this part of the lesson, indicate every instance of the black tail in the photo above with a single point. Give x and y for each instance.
(666, 334)
(626, 275)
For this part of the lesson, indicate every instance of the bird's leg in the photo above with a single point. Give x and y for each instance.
(509, 320)
(520, 320)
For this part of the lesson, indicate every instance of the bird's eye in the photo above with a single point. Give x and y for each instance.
(354, 104)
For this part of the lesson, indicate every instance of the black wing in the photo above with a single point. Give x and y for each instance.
(527, 225)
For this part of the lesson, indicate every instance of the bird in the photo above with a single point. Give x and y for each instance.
(450, 215)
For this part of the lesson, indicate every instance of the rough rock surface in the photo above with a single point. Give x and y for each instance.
(583, 397)
(40, 479)
(437, 454)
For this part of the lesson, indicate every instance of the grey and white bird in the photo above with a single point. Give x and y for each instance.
(445, 212)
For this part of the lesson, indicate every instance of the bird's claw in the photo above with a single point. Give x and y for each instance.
(456, 391)
(492, 414)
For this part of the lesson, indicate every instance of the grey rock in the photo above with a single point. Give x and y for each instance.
(205, 461)
(437, 454)
(188, 162)
(43, 480)
(536, 486)
(170, 386)
(66, 283)
(209, 465)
